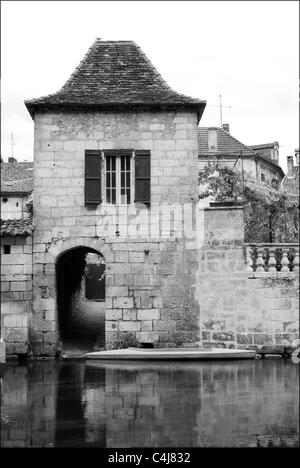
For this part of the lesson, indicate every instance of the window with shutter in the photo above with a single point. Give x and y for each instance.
(92, 177)
(118, 174)
(142, 177)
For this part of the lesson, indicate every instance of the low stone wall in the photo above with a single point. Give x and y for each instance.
(238, 308)
(16, 293)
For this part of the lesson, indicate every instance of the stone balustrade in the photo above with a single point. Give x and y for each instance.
(272, 259)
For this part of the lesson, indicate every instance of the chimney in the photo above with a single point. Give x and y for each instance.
(212, 139)
(226, 127)
(297, 156)
(290, 164)
(12, 160)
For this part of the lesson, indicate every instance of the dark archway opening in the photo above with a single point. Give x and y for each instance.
(80, 274)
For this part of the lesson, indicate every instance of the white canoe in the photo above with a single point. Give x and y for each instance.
(172, 354)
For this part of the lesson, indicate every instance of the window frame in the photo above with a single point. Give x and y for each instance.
(118, 153)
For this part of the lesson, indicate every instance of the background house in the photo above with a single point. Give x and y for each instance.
(290, 182)
(16, 188)
(217, 146)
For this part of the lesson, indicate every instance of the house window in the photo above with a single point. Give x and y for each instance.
(117, 177)
(6, 249)
(263, 177)
(118, 184)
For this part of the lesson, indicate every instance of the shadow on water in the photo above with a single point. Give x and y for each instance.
(219, 404)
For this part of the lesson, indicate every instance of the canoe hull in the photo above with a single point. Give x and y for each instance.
(171, 354)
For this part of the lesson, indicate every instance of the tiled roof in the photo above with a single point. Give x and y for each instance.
(226, 143)
(17, 177)
(115, 74)
(16, 227)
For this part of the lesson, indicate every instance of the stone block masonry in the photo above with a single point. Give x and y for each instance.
(145, 310)
(16, 293)
(2, 351)
(160, 289)
(238, 310)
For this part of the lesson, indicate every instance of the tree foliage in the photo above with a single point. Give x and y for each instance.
(269, 214)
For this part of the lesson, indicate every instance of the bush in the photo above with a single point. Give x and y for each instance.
(125, 340)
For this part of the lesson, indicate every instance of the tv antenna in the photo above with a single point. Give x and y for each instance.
(221, 107)
(12, 145)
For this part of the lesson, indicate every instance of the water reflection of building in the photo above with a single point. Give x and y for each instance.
(93, 402)
(151, 406)
(28, 410)
(64, 404)
(250, 403)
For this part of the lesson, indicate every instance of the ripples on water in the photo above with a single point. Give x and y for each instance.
(114, 405)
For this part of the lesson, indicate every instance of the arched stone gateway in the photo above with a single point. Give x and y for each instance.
(80, 280)
(69, 302)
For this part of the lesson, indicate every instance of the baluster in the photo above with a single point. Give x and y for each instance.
(272, 262)
(296, 262)
(249, 262)
(260, 261)
(284, 261)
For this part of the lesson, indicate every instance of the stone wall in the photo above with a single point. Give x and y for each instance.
(150, 281)
(155, 289)
(160, 287)
(238, 308)
(16, 292)
(14, 207)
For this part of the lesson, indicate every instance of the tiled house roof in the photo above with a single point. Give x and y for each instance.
(226, 143)
(16, 227)
(115, 74)
(17, 177)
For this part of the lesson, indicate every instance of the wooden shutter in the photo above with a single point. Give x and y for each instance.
(92, 188)
(142, 177)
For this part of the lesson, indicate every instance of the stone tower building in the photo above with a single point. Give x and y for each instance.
(114, 149)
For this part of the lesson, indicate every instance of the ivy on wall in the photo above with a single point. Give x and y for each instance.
(270, 215)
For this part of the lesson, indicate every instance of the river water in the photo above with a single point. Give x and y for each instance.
(253, 403)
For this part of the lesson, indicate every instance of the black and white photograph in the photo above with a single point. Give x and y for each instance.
(149, 227)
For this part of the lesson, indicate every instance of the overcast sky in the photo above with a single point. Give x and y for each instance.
(246, 51)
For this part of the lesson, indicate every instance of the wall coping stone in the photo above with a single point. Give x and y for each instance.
(215, 208)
